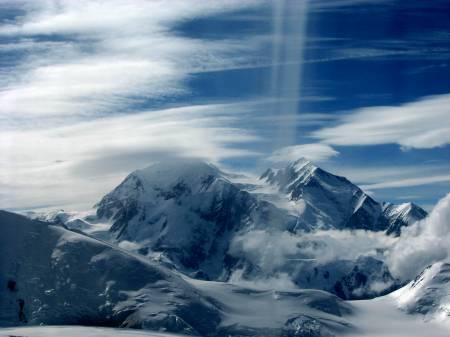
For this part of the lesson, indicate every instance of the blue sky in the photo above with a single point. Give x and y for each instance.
(91, 90)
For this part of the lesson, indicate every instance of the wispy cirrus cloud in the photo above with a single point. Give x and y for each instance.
(77, 81)
(422, 124)
(95, 66)
(392, 182)
(40, 166)
(377, 174)
(418, 181)
(81, 83)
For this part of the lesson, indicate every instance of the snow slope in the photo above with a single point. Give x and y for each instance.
(255, 312)
(86, 222)
(380, 317)
(311, 313)
(428, 293)
(402, 215)
(77, 331)
(56, 276)
(421, 308)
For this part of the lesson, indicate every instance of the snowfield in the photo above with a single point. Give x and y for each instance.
(382, 317)
(78, 331)
(379, 317)
(421, 308)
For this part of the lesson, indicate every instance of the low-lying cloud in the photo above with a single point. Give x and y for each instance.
(423, 243)
(272, 250)
(419, 245)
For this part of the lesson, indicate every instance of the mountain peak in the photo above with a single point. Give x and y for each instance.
(300, 172)
(300, 169)
(165, 179)
(173, 169)
(331, 201)
(300, 163)
(402, 215)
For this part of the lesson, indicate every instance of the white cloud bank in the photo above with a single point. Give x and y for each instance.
(71, 107)
(424, 243)
(419, 245)
(422, 125)
(79, 163)
(271, 250)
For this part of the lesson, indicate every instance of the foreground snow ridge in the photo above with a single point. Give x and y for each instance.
(69, 278)
(78, 331)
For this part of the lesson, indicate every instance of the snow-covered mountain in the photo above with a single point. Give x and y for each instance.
(421, 308)
(56, 276)
(131, 263)
(403, 215)
(188, 213)
(71, 220)
(428, 293)
(329, 201)
(365, 277)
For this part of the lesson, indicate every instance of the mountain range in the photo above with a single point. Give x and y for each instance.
(190, 213)
(183, 246)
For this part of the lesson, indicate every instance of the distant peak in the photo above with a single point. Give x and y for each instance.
(267, 174)
(300, 162)
(407, 205)
(404, 207)
(295, 171)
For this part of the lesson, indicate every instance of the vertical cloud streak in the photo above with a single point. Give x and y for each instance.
(289, 34)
